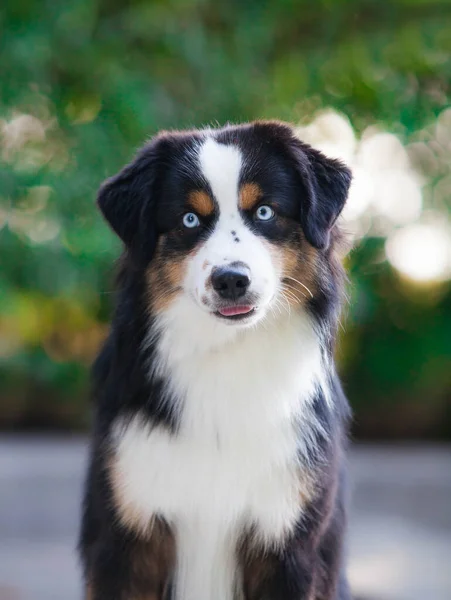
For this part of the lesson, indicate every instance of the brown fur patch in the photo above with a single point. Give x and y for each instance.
(164, 278)
(258, 576)
(153, 563)
(250, 194)
(201, 202)
(300, 265)
(299, 272)
(257, 569)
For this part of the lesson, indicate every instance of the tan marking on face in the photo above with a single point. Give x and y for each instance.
(205, 264)
(250, 195)
(164, 278)
(201, 202)
(298, 262)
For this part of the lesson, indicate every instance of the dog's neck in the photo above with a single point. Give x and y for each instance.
(224, 382)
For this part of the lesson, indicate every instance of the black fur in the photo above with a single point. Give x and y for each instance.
(143, 202)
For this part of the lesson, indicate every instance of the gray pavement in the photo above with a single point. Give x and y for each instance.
(400, 531)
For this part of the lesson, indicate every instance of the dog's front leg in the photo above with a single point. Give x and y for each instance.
(288, 573)
(307, 564)
(125, 567)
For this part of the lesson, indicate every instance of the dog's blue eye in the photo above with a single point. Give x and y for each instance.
(191, 220)
(264, 213)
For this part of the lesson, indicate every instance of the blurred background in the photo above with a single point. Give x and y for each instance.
(83, 84)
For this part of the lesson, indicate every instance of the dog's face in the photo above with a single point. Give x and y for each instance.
(235, 222)
(230, 234)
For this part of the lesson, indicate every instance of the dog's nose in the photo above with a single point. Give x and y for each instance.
(231, 282)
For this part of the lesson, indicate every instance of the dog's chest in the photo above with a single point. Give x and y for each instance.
(210, 490)
(228, 483)
(234, 462)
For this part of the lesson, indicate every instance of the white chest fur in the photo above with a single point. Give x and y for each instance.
(236, 457)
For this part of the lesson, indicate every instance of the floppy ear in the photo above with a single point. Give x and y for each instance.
(326, 184)
(127, 201)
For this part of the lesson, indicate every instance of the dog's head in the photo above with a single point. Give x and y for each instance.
(234, 223)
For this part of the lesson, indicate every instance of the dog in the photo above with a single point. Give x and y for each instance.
(217, 465)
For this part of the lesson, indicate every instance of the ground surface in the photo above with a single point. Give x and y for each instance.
(400, 534)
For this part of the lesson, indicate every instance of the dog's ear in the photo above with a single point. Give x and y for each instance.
(325, 183)
(127, 201)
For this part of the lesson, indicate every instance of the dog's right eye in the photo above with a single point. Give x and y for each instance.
(191, 220)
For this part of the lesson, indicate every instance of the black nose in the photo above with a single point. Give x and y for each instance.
(231, 282)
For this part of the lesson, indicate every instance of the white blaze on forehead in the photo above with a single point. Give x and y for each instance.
(232, 240)
(221, 166)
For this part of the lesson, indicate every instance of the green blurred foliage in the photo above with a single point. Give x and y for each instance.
(99, 77)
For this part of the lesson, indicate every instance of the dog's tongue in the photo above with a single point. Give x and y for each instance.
(235, 310)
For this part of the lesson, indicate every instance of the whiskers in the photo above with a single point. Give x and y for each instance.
(283, 306)
(289, 296)
(283, 302)
(299, 283)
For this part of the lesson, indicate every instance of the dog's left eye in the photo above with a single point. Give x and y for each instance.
(191, 220)
(264, 213)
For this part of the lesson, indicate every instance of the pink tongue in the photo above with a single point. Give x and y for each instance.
(235, 310)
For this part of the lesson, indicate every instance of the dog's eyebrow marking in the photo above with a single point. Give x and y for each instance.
(237, 239)
(250, 194)
(201, 202)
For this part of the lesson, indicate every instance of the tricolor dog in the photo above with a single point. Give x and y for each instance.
(217, 467)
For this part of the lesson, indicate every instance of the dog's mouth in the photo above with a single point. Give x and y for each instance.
(238, 312)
